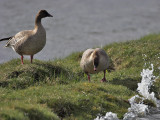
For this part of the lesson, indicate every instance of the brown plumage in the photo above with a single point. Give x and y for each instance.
(94, 61)
(29, 42)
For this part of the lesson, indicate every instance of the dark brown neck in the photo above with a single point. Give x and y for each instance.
(37, 20)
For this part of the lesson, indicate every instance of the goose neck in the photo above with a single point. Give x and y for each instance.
(38, 21)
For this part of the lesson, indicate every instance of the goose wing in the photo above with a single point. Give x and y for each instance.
(85, 58)
(19, 37)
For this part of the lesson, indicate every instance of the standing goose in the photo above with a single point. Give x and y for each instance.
(94, 61)
(29, 42)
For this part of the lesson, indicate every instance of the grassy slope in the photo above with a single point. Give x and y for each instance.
(45, 90)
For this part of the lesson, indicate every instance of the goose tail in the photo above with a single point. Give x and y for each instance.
(3, 39)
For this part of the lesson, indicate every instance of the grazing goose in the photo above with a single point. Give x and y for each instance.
(29, 42)
(94, 61)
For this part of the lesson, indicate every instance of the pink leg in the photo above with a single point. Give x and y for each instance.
(31, 58)
(88, 77)
(22, 59)
(104, 78)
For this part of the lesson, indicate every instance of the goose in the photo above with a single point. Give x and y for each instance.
(94, 61)
(29, 42)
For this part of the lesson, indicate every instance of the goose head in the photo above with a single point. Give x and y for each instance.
(43, 14)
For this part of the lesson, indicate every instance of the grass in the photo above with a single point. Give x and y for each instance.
(54, 90)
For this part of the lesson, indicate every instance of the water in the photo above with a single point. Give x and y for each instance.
(138, 110)
(78, 24)
(144, 87)
(108, 116)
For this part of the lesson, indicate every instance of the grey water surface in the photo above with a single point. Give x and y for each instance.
(78, 24)
(154, 114)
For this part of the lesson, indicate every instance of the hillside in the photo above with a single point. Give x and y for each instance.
(51, 90)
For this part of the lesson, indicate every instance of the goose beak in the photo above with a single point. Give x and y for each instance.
(95, 69)
(49, 15)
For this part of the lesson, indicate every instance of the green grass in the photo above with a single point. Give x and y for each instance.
(53, 90)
